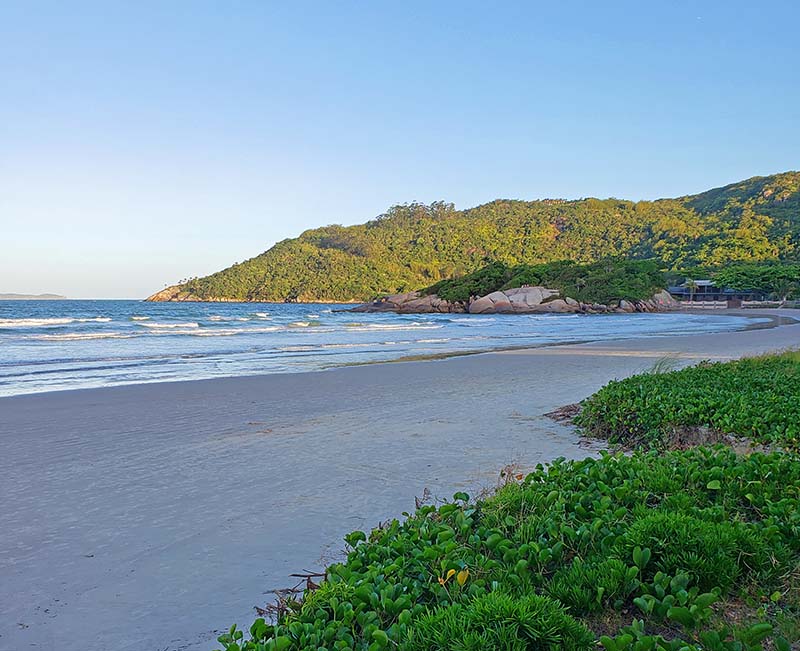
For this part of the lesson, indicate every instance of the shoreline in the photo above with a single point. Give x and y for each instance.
(166, 511)
(777, 316)
(775, 320)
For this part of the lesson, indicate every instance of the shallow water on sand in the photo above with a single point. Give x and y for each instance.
(53, 345)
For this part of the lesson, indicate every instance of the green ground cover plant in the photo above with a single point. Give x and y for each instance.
(680, 550)
(757, 398)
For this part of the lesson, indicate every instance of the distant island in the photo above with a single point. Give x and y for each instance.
(32, 297)
(414, 246)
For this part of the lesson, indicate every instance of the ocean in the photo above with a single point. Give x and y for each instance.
(76, 344)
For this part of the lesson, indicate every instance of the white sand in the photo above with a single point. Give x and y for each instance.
(148, 517)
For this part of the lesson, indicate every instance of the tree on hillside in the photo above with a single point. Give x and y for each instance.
(779, 280)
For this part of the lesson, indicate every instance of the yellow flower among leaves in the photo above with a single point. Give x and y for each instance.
(449, 576)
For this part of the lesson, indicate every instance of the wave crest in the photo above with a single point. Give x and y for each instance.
(50, 321)
(156, 325)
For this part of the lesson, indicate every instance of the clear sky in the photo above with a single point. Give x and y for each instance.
(143, 142)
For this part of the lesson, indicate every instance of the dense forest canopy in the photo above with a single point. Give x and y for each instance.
(782, 281)
(415, 245)
(602, 282)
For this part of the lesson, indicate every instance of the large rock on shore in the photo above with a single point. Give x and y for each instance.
(520, 300)
(491, 303)
(663, 300)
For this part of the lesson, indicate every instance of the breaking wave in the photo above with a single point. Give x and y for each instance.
(157, 325)
(54, 321)
(83, 336)
(367, 327)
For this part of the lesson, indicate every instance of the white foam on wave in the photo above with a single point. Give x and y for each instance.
(53, 321)
(303, 324)
(218, 317)
(140, 318)
(311, 332)
(546, 316)
(233, 331)
(473, 320)
(32, 323)
(82, 336)
(433, 341)
(157, 325)
(215, 332)
(262, 315)
(371, 327)
(306, 348)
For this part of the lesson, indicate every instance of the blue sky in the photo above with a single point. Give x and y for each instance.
(145, 142)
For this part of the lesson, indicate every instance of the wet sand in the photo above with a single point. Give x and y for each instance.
(150, 517)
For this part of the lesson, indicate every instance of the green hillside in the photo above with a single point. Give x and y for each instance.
(416, 245)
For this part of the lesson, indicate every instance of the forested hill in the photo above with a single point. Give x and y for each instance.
(415, 245)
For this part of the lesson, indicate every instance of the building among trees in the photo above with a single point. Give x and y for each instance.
(705, 290)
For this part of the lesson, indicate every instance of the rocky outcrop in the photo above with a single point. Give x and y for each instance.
(520, 300)
(411, 303)
(660, 302)
(176, 294)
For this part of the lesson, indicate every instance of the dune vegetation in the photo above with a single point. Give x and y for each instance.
(656, 550)
(756, 398)
(682, 550)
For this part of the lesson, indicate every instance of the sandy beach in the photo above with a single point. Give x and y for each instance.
(149, 517)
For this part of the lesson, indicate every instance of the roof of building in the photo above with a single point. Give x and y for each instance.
(682, 289)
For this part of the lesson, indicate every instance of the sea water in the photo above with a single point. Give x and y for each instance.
(56, 345)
